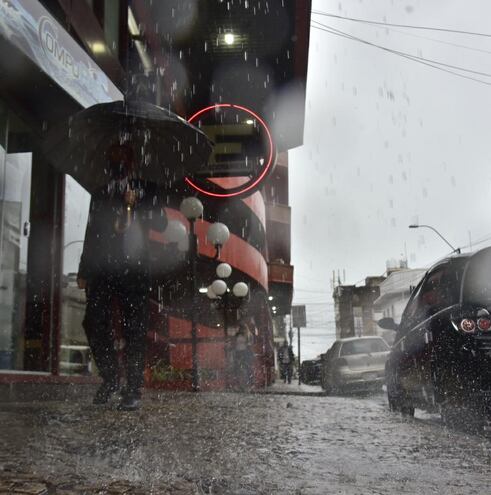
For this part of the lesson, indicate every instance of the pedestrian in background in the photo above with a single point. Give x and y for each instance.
(286, 359)
(115, 263)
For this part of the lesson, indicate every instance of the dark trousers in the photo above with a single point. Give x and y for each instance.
(286, 372)
(131, 292)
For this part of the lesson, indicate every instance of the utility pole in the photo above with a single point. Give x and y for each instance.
(299, 360)
(299, 319)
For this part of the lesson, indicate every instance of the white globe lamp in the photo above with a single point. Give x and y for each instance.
(191, 208)
(240, 289)
(219, 287)
(210, 294)
(218, 234)
(224, 270)
(175, 231)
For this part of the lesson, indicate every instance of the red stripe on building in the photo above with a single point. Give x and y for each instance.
(237, 252)
(255, 201)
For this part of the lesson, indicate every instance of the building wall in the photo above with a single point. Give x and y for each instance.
(260, 234)
(354, 310)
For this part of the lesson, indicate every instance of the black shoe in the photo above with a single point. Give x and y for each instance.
(104, 392)
(130, 401)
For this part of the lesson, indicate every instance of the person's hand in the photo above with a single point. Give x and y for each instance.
(130, 198)
(82, 283)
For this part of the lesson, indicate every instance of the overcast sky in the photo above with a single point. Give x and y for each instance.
(389, 142)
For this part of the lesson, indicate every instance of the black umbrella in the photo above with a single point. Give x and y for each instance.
(165, 146)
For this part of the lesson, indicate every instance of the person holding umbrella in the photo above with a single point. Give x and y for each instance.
(116, 263)
(125, 206)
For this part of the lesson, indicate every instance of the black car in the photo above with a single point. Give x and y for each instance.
(310, 371)
(441, 356)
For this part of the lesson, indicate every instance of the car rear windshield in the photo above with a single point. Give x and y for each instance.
(363, 346)
(477, 280)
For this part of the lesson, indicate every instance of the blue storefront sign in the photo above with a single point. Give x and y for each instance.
(30, 27)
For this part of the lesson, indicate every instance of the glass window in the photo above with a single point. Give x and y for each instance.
(74, 351)
(111, 24)
(477, 284)
(363, 346)
(15, 196)
(438, 290)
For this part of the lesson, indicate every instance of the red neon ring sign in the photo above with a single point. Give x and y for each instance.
(269, 162)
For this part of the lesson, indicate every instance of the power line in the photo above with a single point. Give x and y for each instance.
(398, 52)
(443, 42)
(298, 275)
(475, 243)
(409, 26)
(408, 56)
(312, 291)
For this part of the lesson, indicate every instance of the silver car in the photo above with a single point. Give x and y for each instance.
(357, 362)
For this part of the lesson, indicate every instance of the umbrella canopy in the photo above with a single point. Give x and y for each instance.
(166, 147)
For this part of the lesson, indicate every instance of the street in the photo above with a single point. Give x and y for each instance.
(236, 444)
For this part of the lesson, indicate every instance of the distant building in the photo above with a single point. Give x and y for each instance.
(394, 294)
(278, 240)
(353, 306)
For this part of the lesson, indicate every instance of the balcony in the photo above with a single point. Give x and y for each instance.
(280, 273)
(280, 287)
(276, 212)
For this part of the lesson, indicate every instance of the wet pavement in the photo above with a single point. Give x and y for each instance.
(236, 444)
(294, 388)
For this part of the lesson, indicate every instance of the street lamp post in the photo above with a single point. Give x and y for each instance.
(217, 234)
(417, 226)
(219, 291)
(192, 209)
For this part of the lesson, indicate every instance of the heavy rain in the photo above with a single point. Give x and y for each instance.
(244, 247)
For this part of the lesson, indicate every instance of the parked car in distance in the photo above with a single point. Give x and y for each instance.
(441, 356)
(354, 363)
(310, 371)
(75, 360)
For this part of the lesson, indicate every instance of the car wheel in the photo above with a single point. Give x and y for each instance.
(392, 395)
(449, 415)
(407, 410)
(328, 386)
(397, 405)
(323, 382)
(397, 402)
(394, 404)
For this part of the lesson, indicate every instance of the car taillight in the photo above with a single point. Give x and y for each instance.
(484, 324)
(467, 325)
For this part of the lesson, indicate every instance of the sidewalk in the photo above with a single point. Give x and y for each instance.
(234, 444)
(280, 388)
(177, 444)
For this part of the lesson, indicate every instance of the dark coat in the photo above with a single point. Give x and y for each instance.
(112, 247)
(286, 350)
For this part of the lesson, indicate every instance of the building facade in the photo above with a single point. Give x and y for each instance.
(58, 57)
(395, 291)
(354, 311)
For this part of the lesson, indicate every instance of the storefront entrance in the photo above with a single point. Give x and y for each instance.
(15, 196)
(75, 358)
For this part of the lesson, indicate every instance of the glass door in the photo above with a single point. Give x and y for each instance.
(15, 191)
(74, 350)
